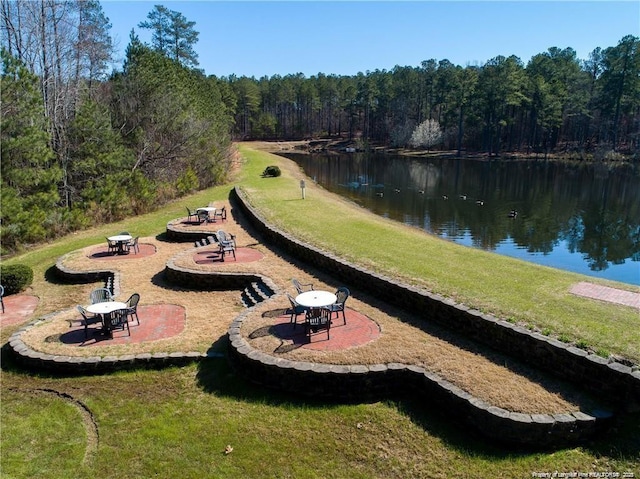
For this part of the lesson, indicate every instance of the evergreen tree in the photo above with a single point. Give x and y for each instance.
(172, 35)
(29, 171)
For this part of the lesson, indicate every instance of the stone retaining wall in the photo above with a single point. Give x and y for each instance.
(182, 236)
(111, 278)
(356, 383)
(611, 381)
(213, 280)
(73, 365)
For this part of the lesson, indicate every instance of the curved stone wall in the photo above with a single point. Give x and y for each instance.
(611, 381)
(111, 278)
(197, 280)
(73, 365)
(360, 382)
(213, 280)
(373, 382)
(181, 236)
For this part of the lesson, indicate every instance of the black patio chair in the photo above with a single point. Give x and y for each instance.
(88, 319)
(220, 213)
(317, 319)
(301, 288)
(203, 216)
(119, 319)
(132, 306)
(295, 310)
(125, 233)
(191, 215)
(342, 294)
(133, 243)
(112, 246)
(2, 297)
(100, 295)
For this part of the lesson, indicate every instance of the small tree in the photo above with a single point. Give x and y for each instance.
(426, 134)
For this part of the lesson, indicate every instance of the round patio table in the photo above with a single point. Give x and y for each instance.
(104, 310)
(105, 307)
(122, 241)
(316, 299)
(209, 210)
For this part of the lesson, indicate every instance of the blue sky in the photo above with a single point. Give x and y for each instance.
(265, 38)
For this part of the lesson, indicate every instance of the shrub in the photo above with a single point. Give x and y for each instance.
(15, 278)
(271, 171)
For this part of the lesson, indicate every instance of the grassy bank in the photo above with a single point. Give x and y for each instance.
(522, 292)
(176, 423)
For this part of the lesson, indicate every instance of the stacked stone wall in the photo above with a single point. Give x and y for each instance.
(609, 380)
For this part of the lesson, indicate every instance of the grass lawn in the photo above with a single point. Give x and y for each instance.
(177, 422)
(522, 292)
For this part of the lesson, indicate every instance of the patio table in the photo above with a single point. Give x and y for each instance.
(209, 210)
(318, 315)
(316, 299)
(122, 241)
(104, 310)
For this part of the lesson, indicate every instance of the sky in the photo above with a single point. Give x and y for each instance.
(266, 38)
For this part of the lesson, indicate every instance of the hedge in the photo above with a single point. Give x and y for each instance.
(15, 278)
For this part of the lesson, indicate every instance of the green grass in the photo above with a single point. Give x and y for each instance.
(535, 296)
(175, 423)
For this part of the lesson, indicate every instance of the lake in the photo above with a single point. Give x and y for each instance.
(583, 218)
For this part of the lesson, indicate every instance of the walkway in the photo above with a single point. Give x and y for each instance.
(604, 293)
(17, 309)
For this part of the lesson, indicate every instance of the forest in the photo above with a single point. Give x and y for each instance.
(84, 142)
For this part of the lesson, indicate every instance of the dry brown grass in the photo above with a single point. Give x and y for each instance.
(494, 378)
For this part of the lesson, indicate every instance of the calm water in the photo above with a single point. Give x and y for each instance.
(584, 219)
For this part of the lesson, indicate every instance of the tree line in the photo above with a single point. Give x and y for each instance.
(82, 145)
(556, 102)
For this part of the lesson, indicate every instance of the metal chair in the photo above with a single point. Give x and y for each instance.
(220, 213)
(295, 310)
(132, 306)
(112, 246)
(133, 243)
(125, 233)
(224, 237)
(203, 216)
(88, 319)
(100, 295)
(316, 320)
(226, 244)
(119, 319)
(191, 215)
(342, 294)
(2, 297)
(301, 288)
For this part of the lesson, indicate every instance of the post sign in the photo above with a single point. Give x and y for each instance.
(302, 187)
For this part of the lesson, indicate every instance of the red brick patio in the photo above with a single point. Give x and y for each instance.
(358, 331)
(211, 255)
(18, 308)
(102, 253)
(157, 321)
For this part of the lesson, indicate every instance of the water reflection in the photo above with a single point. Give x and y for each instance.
(582, 218)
